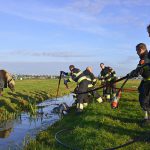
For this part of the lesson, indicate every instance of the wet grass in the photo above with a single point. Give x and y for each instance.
(99, 127)
(27, 94)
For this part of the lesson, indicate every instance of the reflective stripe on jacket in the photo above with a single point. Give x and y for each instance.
(77, 76)
(107, 74)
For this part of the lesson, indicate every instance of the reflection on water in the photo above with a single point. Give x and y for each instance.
(5, 133)
(13, 132)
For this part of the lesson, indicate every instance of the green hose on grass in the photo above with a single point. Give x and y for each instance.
(136, 139)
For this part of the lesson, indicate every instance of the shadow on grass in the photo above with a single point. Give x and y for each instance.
(32, 96)
(129, 100)
(22, 99)
(7, 105)
(123, 119)
(19, 95)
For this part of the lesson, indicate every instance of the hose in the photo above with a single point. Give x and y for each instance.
(137, 139)
(125, 77)
(61, 143)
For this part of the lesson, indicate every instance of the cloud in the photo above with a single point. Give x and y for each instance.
(64, 54)
(135, 2)
(88, 6)
(85, 15)
(47, 14)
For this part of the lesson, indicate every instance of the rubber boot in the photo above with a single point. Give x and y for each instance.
(99, 100)
(146, 121)
(85, 105)
(148, 112)
(79, 108)
(145, 115)
(108, 97)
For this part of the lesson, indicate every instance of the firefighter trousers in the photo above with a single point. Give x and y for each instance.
(144, 95)
(82, 98)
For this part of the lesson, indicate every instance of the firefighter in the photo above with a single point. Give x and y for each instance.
(143, 69)
(82, 86)
(92, 82)
(104, 88)
(107, 77)
(148, 30)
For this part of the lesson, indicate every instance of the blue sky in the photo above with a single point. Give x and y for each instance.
(81, 32)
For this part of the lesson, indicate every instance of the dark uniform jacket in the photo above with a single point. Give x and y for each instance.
(76, 75)
(143, 67)
(90, 77)
(107, 74)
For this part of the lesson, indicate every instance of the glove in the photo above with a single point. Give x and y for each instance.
(132, 74)
(62, 72)
(65, 82)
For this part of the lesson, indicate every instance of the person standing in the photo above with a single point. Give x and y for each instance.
(143, 69)
(107, 77)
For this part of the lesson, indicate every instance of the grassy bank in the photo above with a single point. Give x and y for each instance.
(27, 94)
(99, 127)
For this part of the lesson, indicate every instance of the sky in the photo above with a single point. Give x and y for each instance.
(45, 36)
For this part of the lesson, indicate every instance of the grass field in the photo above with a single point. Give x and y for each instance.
(99, 127)
(27, 94)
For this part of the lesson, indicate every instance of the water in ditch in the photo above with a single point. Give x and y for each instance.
(13, 133)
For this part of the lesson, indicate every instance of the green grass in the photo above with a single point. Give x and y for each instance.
(99, 127)
(27, 94)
